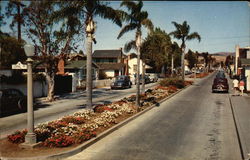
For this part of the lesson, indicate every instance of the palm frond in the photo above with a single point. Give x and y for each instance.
(130, 45)
(177, 25)
(127, 28)
(129, 4)
(176, 34)
(148, 24)
(107, 12)
(139, 5)
(141, 15)
(194, 35)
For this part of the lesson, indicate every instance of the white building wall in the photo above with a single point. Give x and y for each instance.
(131, 64)
(247, 74)
(6, 72)
(110, 73)
(40, 89)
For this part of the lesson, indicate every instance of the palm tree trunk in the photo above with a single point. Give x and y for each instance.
(143, 78)
(172, 65)
(89, 71)
(182, 64)
(138, 43)
(19, 22)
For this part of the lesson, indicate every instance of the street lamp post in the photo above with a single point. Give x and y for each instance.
(30, 138)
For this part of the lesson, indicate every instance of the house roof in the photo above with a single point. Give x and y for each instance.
(111, 66)
(107, 53)
(245, 62)
(78, 64)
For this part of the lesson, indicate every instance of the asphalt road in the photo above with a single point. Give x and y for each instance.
(66, 104)
(193, 125)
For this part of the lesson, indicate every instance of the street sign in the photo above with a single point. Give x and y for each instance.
(19, 65)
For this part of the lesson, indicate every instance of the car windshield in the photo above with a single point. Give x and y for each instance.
(120, 78)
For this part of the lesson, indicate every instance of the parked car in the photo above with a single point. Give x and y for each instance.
(146, 78)
(121, 82)
(220, 83)
(12, 101)
(188, 72)
(153, 77)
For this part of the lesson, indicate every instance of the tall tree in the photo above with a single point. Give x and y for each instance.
(182, 33)
(88, 10)
(136, 18)
(41, 27)
(14, 8)
(11, 50)
(156, 48)
(70, 31)
(191, 58)
(175, 49)
(2, 22)
(205, 56)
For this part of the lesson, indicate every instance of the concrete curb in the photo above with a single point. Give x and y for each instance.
(239, 132)
(93, 140)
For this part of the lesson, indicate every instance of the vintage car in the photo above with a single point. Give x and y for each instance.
(121, 82)
(220, 83)
(146, 79)
(12, 101)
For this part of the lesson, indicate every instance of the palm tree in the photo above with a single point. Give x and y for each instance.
(182, 33)
(136, 19)
(14, 8)
(174, 49)
(88, 9)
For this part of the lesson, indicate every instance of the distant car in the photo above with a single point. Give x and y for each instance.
(121, 82)
(146, 78)
(188, 72)
(220, 83)
(153, 77)
(12, 101)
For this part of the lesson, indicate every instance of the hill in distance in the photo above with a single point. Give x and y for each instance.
(223, 54)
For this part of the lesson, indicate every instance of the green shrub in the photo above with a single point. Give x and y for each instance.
(172, 82)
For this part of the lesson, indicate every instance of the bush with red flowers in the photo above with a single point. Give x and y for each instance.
(84, 135)
(17, 137)
(59, 141)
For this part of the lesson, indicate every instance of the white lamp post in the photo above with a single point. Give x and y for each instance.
(30, 138)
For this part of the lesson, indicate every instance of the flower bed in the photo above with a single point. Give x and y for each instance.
(86, 124)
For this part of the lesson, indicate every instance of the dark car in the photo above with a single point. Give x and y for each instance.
(12, 101)
(146, 78)
(220, 83)
(121, 82)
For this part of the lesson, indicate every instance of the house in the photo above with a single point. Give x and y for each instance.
(131, 60)
(75, 66)
(242, 65)
(111, 62)
(131, 67)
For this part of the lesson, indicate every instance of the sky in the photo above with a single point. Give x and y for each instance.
(221, 24)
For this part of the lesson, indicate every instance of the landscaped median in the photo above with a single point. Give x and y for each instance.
(70, 131)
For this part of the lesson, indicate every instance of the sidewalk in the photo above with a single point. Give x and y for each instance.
(241, 111)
